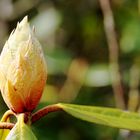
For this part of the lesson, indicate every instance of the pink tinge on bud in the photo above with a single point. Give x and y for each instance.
(22, 69)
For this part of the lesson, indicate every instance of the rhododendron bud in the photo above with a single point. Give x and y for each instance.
(22, 69)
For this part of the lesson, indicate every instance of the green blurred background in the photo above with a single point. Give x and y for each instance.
(77, 54)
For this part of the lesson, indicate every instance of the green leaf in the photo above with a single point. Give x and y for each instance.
(104, 116)
(4, 132)
(21, 131)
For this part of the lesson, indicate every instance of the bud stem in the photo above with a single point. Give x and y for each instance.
(44, 111)
(3, 123)
(35, 117)
(6, 125)
(6, 115)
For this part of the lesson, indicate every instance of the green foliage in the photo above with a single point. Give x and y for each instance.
(4, 132)
(130, 37)
(21, 131)
(105, 116)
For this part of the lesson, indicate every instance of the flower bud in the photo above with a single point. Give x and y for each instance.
(22, 69)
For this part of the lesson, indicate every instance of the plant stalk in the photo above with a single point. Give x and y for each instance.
(6, 125)
(44, 111)
(109, 26)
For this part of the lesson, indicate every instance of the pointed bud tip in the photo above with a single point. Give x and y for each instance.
(24, 21)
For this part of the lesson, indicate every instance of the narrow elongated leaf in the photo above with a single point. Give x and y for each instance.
(104, 116)
(21, 131)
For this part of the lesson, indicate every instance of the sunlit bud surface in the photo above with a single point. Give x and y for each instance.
(22, 69)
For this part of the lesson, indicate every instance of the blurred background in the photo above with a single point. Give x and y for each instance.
(92, 50)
